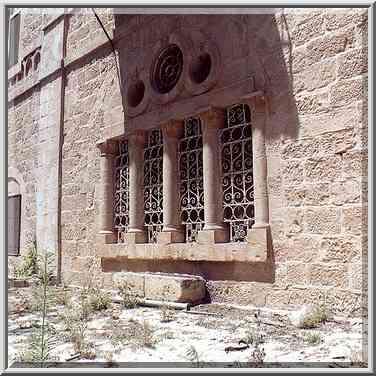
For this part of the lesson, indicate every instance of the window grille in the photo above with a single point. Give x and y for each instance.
(121, 202)
(191, 179)
(237, 172)
(153, 184)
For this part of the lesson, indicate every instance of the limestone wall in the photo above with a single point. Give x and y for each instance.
(312, 64)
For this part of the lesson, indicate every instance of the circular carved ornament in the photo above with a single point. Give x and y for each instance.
(168, 68)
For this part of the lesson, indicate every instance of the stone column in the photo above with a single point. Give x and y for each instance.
(258, 106)
(214, 229)
(136, 231)
(107, 153)
(172, 231)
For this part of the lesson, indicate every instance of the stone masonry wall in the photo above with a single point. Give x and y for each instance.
(314, 70)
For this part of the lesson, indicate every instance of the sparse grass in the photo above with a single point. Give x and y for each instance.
(193, 356)
(130, 300)
(99, 300)
(312, 338)
(133, 332)
(319, 315)
(30, 264)
(167, 314)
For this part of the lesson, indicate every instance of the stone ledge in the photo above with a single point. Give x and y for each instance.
(255, 249)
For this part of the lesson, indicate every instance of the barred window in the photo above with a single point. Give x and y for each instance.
(121, 194)
(237, 171)
(153, 188)
(191, 179)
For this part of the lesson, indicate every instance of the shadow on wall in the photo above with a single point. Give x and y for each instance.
(250, 45)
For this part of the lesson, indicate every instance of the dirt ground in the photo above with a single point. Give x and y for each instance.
(212, 335)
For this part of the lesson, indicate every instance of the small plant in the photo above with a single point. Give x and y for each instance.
(257, 356)
(130, 300)
(193, 356)
(63, 296)
(320, 314)
(42, 336)
(99, 300)
(146, 335)
(167, 314)
(312, 338)
(30, 263)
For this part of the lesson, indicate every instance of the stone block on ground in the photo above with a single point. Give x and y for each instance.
(169, 287)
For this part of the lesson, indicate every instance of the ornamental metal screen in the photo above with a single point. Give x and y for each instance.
(153, 184)
(121, 202)
(237, 172)
(191, 179)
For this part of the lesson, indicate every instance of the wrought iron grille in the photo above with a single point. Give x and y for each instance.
(237, 172)
(121, 202)
(191, 179)
(153, 183)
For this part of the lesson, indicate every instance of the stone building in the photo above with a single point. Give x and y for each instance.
(228, 146)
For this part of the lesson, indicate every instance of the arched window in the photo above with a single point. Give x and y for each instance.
(153, 188)
(237, 171)
(191, 179)
(121, 204)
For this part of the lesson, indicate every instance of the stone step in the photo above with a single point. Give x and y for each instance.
(170, 287)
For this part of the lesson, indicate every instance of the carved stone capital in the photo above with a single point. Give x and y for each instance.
(172, 128)
(214, 118)
(259, 104)
(137, 137)
(107, 148)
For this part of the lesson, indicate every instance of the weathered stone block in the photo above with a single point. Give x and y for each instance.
(340, 249)
(328, 275)
(165, 287)
(292, 172)
(322, 220)
(307, 29)
(354, 219)
(312, 104)
(317, 194)
(353, 63)
(315, 76)
(293, 221)
(355, 163)
(294, 196)
(321, 169)
(347, 91)
(346, 192)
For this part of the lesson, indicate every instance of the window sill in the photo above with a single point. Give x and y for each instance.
(255, 249)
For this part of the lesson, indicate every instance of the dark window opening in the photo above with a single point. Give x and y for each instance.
(14, 225)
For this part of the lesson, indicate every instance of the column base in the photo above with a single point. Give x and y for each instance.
(135, 237)
(211, 236)
(107, 237)
(167, 237)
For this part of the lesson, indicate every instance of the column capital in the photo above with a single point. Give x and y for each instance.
(137, 136)
(214, 117)
(107, 147)
(172, 128)
(259, 105)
